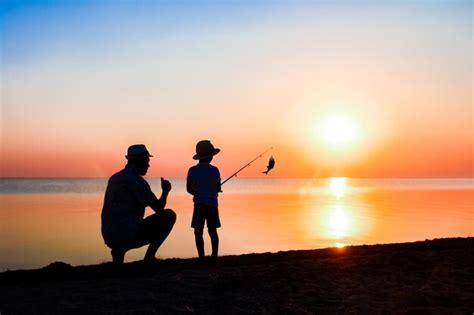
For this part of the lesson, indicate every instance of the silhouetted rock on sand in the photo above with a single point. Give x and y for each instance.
(423, 277)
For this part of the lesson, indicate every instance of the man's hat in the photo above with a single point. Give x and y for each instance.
(205, 149)
(137, 151)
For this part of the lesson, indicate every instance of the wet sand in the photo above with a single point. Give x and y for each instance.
(435, 276)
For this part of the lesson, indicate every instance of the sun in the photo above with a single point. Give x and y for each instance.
(338, 130)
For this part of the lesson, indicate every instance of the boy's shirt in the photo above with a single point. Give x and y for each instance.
(204, 179)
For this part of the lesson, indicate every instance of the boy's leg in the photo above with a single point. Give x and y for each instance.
(213, 222)
(214, 241)
(199, 241)
(197, 224)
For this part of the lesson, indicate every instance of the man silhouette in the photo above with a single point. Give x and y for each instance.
(126, 197)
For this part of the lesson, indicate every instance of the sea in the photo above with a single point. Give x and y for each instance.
(58, 219)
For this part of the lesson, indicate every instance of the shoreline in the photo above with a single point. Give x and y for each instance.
(426, 276)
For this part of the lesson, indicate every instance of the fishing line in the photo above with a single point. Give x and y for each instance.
(246, 165)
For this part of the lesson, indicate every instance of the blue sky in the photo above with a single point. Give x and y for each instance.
(82, 71)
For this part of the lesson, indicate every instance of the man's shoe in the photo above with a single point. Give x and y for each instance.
(118, 256)
(151, 260)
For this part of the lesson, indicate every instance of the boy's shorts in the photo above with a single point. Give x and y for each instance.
(207, 213)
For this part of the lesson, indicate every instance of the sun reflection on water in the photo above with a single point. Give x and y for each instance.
(338, 186)
(337, 213)
(338, 221)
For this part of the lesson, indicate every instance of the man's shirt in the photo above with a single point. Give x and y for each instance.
(126, 198)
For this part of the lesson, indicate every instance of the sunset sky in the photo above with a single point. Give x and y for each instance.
(338, 88)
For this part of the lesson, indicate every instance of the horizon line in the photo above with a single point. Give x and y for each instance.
(241, 177)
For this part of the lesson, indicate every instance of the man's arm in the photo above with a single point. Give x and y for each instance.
(159, 204)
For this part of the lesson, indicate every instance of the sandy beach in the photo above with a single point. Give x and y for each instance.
(433, 276)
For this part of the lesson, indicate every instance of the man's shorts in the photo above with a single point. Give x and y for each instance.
(206, 213)
(155, 227)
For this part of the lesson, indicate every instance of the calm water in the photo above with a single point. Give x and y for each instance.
(46, 220)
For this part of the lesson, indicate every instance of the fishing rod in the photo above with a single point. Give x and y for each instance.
(246, 165)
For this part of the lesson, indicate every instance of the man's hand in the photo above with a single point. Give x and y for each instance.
(160, 204)
(165, 185)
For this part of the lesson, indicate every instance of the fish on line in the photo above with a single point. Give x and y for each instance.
(271, 164)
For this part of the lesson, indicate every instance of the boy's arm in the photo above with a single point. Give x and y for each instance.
(218, 185)
(189, 185)
(218, 182)
(189, 188)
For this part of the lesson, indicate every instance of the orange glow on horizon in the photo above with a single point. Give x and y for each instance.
(291, 162)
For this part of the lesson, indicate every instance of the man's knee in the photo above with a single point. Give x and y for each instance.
(170, 216)
(198, 232)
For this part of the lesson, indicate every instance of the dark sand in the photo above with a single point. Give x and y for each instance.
(423, 277)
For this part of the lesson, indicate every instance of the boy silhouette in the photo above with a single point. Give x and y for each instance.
(204, 183)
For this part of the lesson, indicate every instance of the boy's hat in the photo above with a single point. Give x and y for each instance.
(205, 149)
(137, 151)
